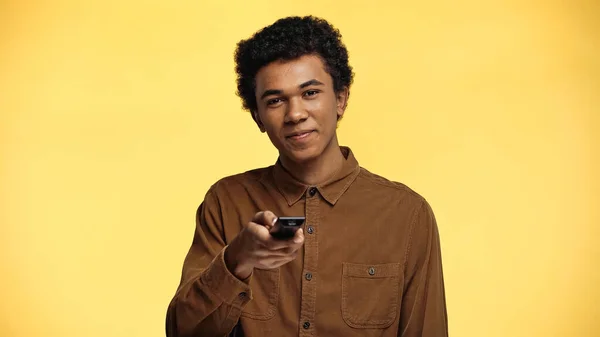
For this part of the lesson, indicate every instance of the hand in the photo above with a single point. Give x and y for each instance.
(254, 247)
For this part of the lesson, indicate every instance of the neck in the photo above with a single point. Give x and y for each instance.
(318, 170)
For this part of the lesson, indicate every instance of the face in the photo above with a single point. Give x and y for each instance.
(298, 108)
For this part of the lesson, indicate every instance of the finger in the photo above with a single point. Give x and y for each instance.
(273, 244)
(267, 253)
(291, 250)
(258, 232)
(298, 237)
(296, 241)
(265, 218)
(269, 219)
(256, 218)
(263, 238)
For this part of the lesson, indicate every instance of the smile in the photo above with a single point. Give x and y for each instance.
(300, 136)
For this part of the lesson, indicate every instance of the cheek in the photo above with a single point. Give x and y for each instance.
(270, 118)
(317, 105)
(332, 114)
(272, 123)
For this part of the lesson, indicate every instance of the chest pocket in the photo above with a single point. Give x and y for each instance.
(265, 293)
(370, 294)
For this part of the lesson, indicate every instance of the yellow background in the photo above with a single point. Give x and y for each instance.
(116, 116)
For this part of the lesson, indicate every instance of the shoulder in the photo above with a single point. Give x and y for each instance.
(390, 188)
(236, 183)
(414, 209)
(420, 213)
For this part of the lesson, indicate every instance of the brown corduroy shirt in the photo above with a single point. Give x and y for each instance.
(370, 265)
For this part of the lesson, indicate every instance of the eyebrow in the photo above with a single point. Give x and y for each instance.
(309, 83)
(279, 92)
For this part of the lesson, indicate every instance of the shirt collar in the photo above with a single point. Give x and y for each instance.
(331, 190)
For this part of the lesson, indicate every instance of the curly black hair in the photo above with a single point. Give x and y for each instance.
(287, 39)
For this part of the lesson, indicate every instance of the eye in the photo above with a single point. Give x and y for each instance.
(273, 101)
(310, 93)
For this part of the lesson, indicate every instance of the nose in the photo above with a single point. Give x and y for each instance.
(295, 112)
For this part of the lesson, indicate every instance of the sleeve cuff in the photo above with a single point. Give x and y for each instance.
(224, 284)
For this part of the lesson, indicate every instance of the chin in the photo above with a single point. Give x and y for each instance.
(301, 155)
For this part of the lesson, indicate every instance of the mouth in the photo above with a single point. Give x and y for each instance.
(300, 135)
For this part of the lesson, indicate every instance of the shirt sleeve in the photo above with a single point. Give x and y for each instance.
(423, 312)
(209, 299)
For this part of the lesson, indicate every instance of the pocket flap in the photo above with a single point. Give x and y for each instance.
(371, 270)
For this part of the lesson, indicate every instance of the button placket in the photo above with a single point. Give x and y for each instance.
(311, 256)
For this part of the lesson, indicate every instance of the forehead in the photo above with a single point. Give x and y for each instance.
(289, 74)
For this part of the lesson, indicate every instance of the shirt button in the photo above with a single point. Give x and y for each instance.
(310, 230)
(242, 295)
(371, 271)
(308, 276)
(306, 325)
(312, 191)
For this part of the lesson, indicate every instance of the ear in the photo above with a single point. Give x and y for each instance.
(257, 120)
(342, 102)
